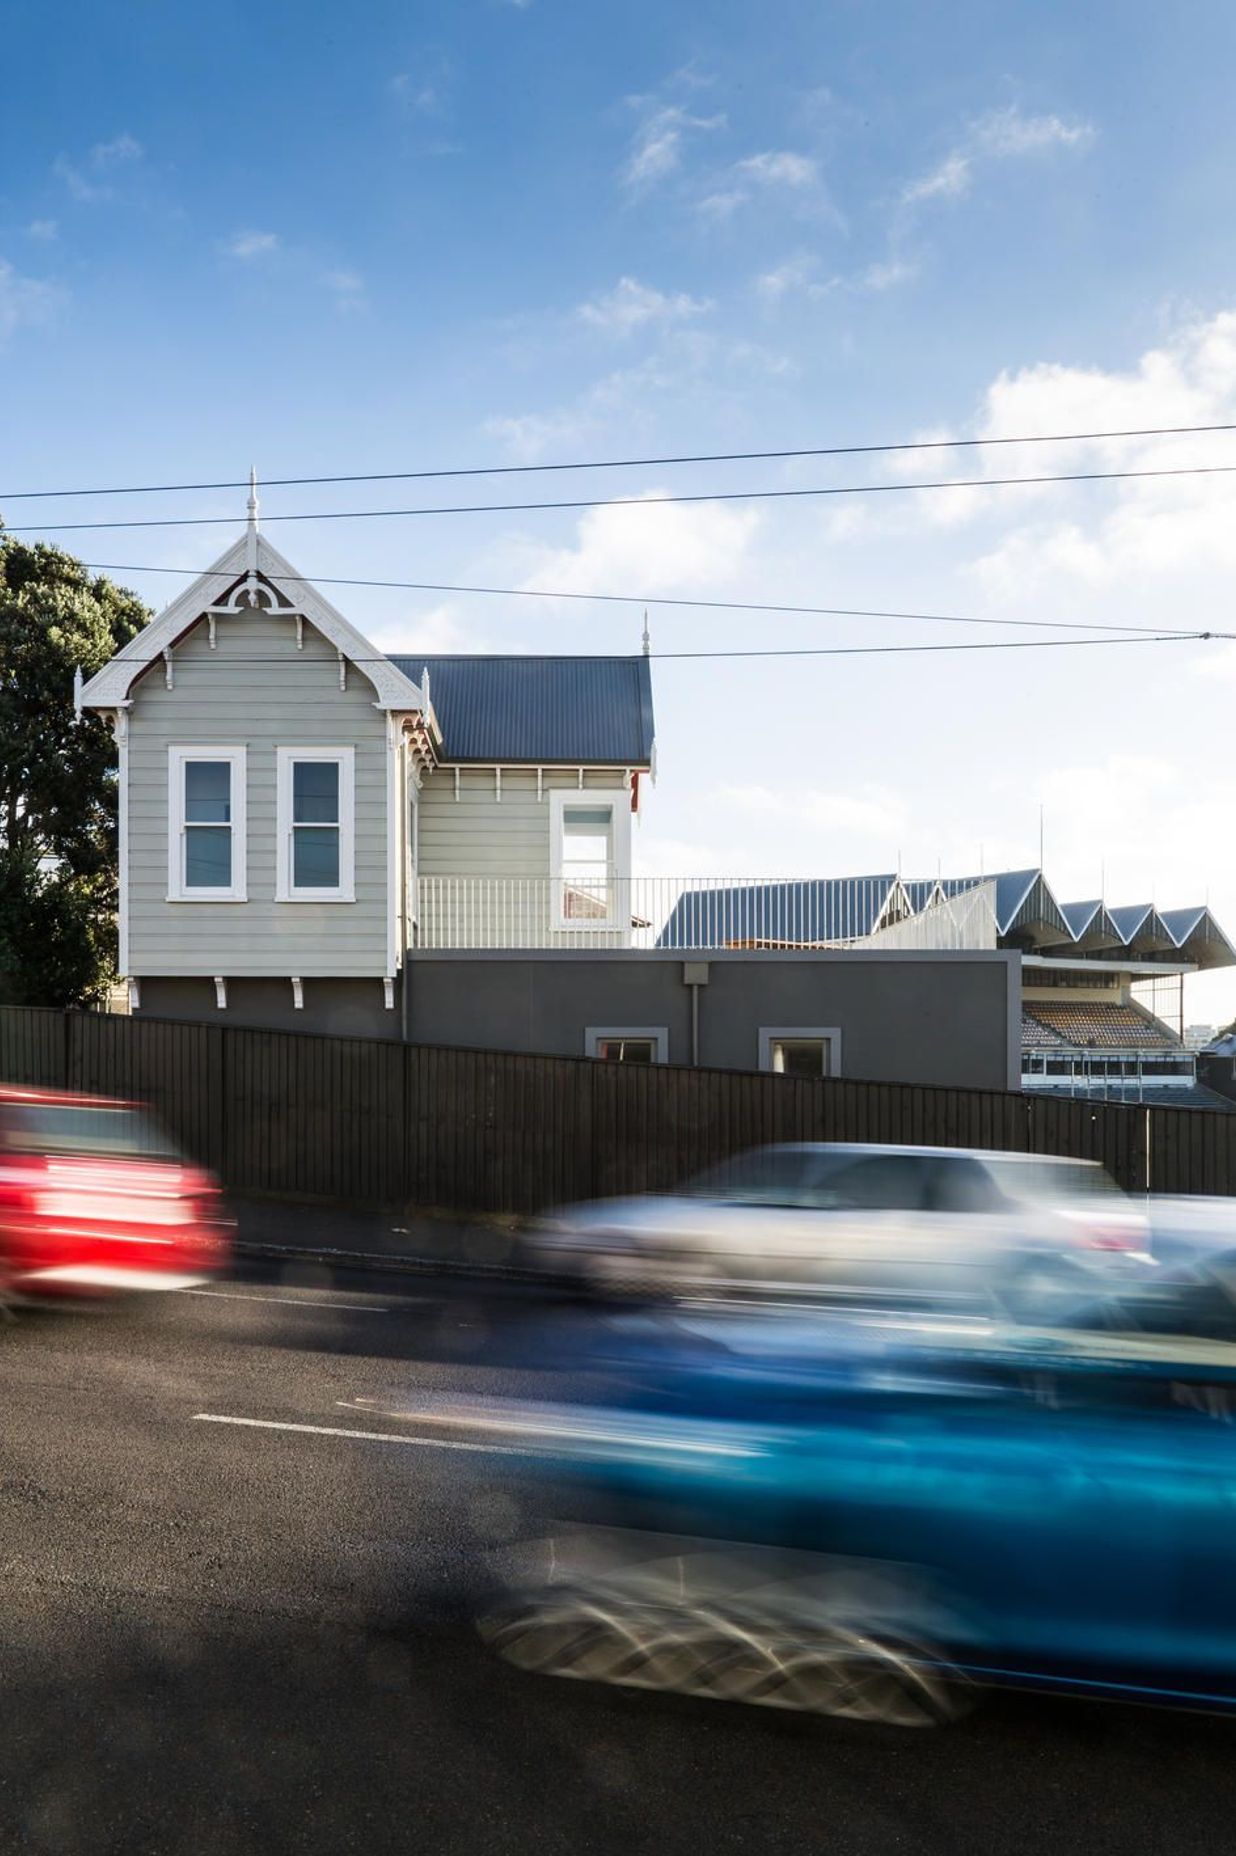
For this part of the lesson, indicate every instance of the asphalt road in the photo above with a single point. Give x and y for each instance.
(224, 1637)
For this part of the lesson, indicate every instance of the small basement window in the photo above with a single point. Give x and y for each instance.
(801, 1050)
(627, 1044)
(206, 825)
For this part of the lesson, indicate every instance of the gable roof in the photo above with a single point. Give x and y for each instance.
(250, 553)
(578, 711)
(575, 711)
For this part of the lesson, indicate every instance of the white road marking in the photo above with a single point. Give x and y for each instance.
(375, 1437)
(291, 1301)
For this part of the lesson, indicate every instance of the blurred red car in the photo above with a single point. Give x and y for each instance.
(95, 1198)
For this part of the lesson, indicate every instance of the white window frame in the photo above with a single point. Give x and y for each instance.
(619, 801)
(178, 758)
(285, 759)
(658, 1034)
(828, 1034)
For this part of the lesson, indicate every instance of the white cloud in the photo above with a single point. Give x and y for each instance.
(690, 367)
(1217, 664)
(1008, 132)
(633, 545)
(43, 229)
(112, 154)
(347, 288)
(888, 275)
(947, 181)
(252, 245)
(631, 305)
(418, 97)
(779, 167)
(438, 632)
(86, 180)
(996, 136)
(801, 274)
(870, 810)
(25, 302)
(656, 148)
(721, 205)
(1141, 540)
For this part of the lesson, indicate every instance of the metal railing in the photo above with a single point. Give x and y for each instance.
(692, 914)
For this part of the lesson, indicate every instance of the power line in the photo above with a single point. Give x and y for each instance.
(228, 671)
(642, 502)
(994, 644)
(702, 457)
(654, 599)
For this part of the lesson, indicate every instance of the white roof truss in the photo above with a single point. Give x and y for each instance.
(250, 574)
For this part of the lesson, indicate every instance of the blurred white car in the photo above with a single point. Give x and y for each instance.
(1192, 1229)
(938, 1226)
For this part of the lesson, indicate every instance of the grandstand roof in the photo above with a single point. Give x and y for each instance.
(807, 913)
(1024, 913)
(1027, 911)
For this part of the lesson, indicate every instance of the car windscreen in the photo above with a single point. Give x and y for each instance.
(769, 1176)
(96, 1130)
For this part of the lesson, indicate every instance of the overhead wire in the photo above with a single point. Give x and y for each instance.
(639, 502)
(653, 600)
(782, 455)
(856, 650)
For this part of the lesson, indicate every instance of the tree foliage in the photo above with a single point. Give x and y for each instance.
(57, 776)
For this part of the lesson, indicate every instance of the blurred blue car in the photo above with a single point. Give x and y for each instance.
(873, 1520)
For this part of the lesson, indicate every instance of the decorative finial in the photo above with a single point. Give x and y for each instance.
(647, 636)
(251, 529)
(77, 694)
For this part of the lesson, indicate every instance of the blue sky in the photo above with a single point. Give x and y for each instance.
(409, 237)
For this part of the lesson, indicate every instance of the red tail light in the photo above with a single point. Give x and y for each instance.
(1113, 1237)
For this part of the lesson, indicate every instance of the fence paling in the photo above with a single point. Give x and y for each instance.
(377, 1122)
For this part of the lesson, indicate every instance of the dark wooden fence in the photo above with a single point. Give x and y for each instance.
(379, 1123)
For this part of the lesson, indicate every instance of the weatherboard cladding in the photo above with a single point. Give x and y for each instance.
(576, 711)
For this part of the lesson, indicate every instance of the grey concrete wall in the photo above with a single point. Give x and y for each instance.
(906, 1017)
(943, 1018)
(343, 1008)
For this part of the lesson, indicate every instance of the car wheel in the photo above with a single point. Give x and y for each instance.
(841, 1673)
(1040, 1293)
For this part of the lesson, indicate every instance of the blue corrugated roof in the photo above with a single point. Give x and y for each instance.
(1128, 919)
(583, 711)
(812, 910)
(1181, 923)
(795, 913)
(1079, 916)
